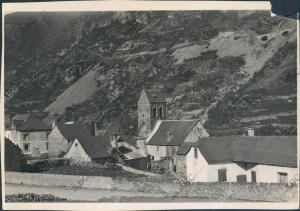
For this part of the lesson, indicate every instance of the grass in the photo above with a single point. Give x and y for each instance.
(92, 171)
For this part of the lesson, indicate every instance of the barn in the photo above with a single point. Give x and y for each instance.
(96, 149)
(261, 159)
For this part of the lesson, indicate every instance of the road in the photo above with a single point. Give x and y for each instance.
(81, 194)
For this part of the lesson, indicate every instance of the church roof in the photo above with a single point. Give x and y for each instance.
(178, 129)
(269, 150)
(155, 96)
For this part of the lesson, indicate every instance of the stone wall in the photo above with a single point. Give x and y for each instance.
(219, 191)
(58, 180)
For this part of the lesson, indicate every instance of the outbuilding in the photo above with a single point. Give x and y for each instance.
(263, 159)
(96, 149)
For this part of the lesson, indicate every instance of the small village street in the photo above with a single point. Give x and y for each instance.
(77, 194)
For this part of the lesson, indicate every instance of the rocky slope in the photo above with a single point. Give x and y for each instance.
(97, 63)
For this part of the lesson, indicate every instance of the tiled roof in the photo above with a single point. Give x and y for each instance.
(155, 96)
(32, 123)
(72, 131)
(178, 129)
(96, 146)
(269, 150)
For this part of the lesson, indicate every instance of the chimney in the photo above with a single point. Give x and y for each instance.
(93, 128)
(170, 136)
(53, 124)
(250, 131)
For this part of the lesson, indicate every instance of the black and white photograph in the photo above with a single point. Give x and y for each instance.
(149, 106)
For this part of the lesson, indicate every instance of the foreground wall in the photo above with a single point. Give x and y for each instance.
(214, 191)
(58, 180)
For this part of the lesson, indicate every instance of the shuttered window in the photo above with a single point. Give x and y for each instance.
(222, 175)
(253, 176)
(282, 177)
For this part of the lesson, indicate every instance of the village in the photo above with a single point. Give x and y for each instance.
(179, 149)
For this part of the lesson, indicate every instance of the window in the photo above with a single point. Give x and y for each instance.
(46, 146)
(25, 135)
(76, 145)
(222, 175)
(26, 147)
(253, 176)
(154, 112)
(195, 153)
(161, 112)
(157, 149)
(152, 157)
(282, 177)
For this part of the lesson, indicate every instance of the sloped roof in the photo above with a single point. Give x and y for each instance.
(128, 139)
(270, 150)
(32, 123)
(51, 118)
(179, 128)
(72, 131)
(22, 117)
(155, 96)
(96, 146)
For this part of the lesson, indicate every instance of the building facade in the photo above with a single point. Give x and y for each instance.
(239, 159)
(63, 135)
(30, 135)
(151, 107)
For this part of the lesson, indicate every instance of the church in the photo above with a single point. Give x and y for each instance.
(162, 137)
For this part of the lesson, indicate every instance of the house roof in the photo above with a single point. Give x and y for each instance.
(32, 123)
(269, 150)
(22, 117)
(72, 131)
(179, 129)
(96, 146)
(155, 96)
(128, 139)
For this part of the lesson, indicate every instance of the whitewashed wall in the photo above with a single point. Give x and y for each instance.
(158, 154)
(57, 143)
(77, 153)
(198, 170)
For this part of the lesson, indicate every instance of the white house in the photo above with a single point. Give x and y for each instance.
(30, 134)
(265, 159)
(168, 135)
(91, 148)
(63, 135)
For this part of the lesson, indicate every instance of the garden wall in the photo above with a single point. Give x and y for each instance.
(58, 180)
(217, 191)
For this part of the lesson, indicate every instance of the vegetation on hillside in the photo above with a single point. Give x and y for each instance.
(134, 50)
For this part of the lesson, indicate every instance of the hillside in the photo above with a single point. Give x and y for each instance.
(97, 63)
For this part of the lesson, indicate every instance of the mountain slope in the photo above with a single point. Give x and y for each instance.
(195, 58)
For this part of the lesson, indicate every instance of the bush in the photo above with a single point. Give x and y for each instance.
(31, 197)
(44, 165)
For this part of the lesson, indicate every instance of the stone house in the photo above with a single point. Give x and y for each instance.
(30, 134)
(91, 149)
(151, 107)
(63, 135)
(168, 135)
(262, 159)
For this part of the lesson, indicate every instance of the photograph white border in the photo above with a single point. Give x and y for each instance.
(133, 6)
